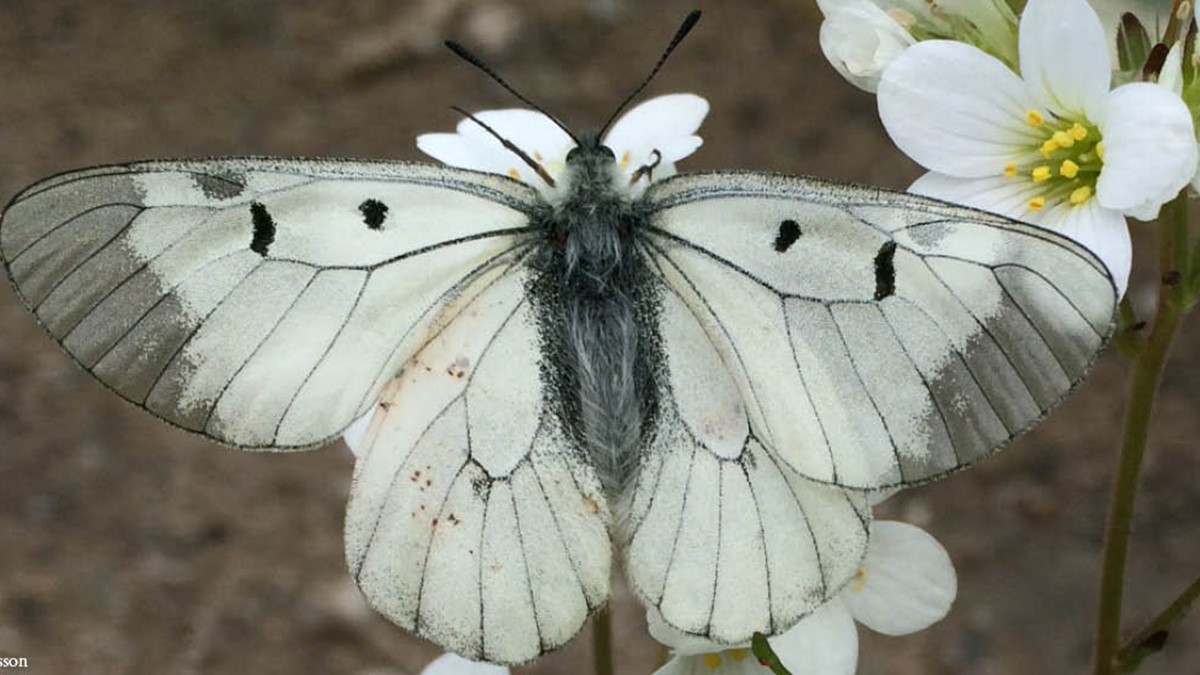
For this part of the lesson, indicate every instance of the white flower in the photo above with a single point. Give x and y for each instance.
(356, 434)
(1055, 148)
(666, 124)
(861, 37)
(906, 584)
(453, 664)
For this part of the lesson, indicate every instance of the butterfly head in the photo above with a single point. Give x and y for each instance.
(592, 173)
(590, 152)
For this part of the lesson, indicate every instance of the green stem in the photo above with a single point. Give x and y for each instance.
(1128, 338)
(1175, 215)
(1193, 273)
(766, 656)
(1146, 373)
(602, 654)
(1151, 638)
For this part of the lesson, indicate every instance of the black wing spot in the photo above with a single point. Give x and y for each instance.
(220, 185)
(885, 270)
(789, 232)
(264, 229)
(374, 213)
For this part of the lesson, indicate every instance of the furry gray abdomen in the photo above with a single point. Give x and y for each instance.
(596, 305)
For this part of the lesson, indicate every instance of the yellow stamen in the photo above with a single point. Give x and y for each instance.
(1010, 169)
(739, 654)
(537, 156)
(1048, 147)
(1080, 195)
(1078, 132)
(625, 160)
(713, 661)
(1037, 203)
(514, 174)
(860, 579)
(1100, 150)
(1041, 173)
(1068, 169)
(1063, 139)
(1034, 118)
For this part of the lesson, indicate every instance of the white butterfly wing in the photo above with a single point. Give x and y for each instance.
(264, 303)
(878, 339)
(473, 522)
(720, 536)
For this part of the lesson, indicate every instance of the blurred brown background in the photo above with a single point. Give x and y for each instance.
(130, 547)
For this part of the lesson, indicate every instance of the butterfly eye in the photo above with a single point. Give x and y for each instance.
(607, 152)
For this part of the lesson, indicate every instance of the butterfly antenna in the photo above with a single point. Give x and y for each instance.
(689, 22)
(470, 58)
(509, 145)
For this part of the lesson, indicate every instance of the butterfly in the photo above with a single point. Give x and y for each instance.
(706, 376)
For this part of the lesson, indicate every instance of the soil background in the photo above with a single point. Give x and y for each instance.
(130, 547)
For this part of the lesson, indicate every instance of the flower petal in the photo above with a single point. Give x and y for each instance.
(1064, 55)
(472, 147)
(453, 664)
(470, 153)
(1103, 231)
(1149, 148)
(825, 642)
(860, 40)
(529, 130)
(909, 582)
(356, 434)
(998, 194)
(720, 663)
(955, 110)
(1171, 75)
(667, 124)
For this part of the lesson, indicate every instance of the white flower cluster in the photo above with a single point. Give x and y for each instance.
(1051, 143)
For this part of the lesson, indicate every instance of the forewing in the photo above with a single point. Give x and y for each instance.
(473, 521)
(719, 535)
(878, 339)
(264, 303)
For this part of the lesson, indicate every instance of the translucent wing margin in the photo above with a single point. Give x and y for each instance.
(264, 303)
(473, 522)
(878, 339)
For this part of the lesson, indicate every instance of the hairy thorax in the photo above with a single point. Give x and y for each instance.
(596, 308)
